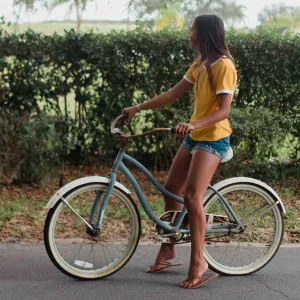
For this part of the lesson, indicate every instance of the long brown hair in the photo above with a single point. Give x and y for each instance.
(211, 36)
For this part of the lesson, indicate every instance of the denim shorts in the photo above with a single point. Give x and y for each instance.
(219, 147)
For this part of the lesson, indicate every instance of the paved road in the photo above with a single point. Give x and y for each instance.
(27, 273)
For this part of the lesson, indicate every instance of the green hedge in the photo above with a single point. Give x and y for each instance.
(33, 148)
(87, 78)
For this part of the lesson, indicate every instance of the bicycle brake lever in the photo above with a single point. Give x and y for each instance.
(116, 131)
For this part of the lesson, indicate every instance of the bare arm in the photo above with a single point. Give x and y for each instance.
(163, 99)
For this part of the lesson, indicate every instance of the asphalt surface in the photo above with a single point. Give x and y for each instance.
(26, 272)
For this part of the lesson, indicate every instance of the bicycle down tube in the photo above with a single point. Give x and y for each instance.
(119, 165)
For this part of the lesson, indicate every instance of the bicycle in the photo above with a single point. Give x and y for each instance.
(93, 226)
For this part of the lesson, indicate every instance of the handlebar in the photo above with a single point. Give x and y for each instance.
(119, 132)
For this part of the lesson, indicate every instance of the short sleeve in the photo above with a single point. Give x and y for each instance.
(190, 74)
(225, 80)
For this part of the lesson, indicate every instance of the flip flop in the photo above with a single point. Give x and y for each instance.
(164, 265)
(201, 281)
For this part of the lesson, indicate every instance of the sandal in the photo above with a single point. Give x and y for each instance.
(201, 281)
(164, 265)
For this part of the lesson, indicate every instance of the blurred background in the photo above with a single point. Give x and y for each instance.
(50, 16)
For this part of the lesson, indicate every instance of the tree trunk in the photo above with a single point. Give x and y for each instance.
(79, 11)
(79, 20)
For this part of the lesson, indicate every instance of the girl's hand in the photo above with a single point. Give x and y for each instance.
(130, 112)
(182, 129)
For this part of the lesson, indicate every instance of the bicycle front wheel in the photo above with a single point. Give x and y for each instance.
(80, 254)
(251, 249)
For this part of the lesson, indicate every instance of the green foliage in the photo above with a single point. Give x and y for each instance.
(281, 16)
(257, 132)
(44, 143)
(33, 147)
(29, 4)
(266, 169)
(9, 146)
(272, 12)
(257, 135)
(87, 78)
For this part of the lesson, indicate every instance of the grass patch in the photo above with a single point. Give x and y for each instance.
(148, 225)
(20, 207)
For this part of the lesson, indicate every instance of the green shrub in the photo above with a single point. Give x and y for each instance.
(9, 146)
(266, 169)
(34, 147)
(257, 133)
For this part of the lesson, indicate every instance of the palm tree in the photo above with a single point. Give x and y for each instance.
(288, 20)
(29, 5)
(272, 12)
(193, 8)
(147, 7)
(79, 5)
(170, 16)
(229, 11)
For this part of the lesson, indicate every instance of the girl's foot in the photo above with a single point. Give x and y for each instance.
(195, 278)
(200, 281)
(166, 252)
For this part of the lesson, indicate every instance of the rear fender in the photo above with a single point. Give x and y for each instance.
(233, 180)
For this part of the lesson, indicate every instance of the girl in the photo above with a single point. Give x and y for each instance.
(213, 77)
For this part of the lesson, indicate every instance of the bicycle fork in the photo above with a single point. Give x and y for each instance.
(113, 177)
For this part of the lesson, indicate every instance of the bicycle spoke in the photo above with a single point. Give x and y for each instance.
(77, 214)
(233, 255)
(78, 251)
(224, 251)
(242, 219)
(251, 245)
(257, 218)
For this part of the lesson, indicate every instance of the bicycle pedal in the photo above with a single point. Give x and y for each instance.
(160, 239)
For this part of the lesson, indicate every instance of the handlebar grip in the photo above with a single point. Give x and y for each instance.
(173, 130)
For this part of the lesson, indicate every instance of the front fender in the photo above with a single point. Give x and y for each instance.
(78, 182)
(230, 181)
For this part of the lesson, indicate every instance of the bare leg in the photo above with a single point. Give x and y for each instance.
(202, 168)
(175, 184)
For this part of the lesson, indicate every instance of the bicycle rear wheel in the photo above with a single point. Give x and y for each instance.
(250, 250)
(81, 255)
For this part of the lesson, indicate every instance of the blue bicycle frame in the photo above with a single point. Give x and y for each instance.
(119, 165)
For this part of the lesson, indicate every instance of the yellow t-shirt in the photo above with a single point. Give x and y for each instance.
(224, 78)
